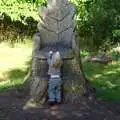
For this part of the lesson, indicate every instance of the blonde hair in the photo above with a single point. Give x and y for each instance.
(56, 61)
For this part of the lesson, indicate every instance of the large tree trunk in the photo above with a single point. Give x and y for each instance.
(74, 85)
(39, 81)
(57, 33)
(73, 81)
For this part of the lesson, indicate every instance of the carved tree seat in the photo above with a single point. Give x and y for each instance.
(65, 50)
(56, 33)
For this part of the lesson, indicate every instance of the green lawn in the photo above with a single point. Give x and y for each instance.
(105, 78)
(13, 64)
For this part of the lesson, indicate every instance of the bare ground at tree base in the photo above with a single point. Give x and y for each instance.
(11, 108)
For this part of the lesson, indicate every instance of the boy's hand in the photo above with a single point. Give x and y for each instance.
(50, 54)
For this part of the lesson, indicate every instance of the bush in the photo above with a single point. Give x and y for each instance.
(97, 21)
(116, 53)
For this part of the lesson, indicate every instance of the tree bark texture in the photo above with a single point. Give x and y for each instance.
(56, 32)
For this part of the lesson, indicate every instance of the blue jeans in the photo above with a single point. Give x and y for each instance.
(54, 89)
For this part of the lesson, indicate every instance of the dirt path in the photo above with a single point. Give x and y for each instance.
(11, 108)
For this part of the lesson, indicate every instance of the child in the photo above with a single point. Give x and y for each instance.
(54, 83)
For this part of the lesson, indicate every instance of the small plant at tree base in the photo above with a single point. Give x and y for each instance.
(84, 53)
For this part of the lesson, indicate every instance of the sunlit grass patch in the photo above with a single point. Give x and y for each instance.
(105, 78)
(13, 64)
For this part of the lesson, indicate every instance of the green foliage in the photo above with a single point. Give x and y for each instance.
(36, 2)
(116, 36)
(115, 52)
(17, 20)
(84, 53)
(16, 10)
(98, 25)
(116, 33)
(97, 21)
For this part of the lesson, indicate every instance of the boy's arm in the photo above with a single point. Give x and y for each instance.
(48, 60)
(49, 57)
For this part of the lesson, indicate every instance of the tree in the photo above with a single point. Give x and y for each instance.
(56, 32)
(97, 21)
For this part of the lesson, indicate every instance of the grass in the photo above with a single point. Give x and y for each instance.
(13, 64)
(14, 67)
(105, 78)
(14, 58)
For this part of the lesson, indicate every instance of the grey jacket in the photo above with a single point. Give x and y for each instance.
(52, 70)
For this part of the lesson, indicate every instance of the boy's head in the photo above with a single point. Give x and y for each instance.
(56, 60)
(50, 54)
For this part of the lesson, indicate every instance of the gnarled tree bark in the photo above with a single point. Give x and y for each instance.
(56, 33)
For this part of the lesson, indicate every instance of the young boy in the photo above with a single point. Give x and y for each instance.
(54, 83)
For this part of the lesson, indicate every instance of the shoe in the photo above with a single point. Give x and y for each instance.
(58, 103)
(51, 103)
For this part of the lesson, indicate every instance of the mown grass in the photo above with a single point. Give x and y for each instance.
(15, 50)
(14, 58)
(105, 78)
(13, 64)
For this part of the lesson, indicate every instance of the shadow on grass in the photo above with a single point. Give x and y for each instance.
(16, 78)
(15, 31)
(105, 78)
